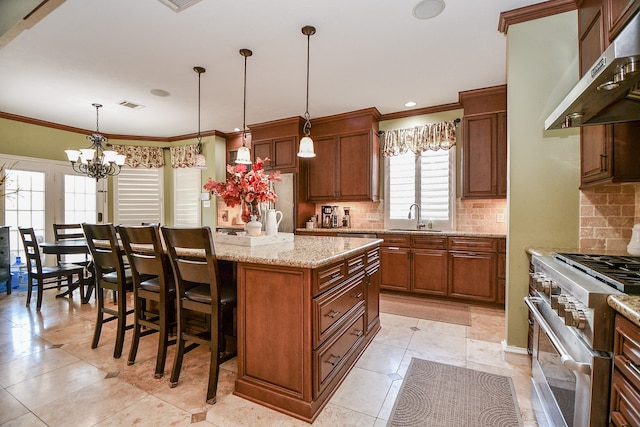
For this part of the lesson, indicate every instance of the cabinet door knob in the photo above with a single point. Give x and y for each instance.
(334, 361)
(603, 162)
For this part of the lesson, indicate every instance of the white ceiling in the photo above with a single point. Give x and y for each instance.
(366, 53)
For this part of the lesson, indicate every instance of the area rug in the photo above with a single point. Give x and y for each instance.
(438, 395)
(441, 311)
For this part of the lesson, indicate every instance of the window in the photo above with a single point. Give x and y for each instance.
(138, 196)
(427, 179)
(187, 189)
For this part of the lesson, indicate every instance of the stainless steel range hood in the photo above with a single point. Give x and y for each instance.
(610, 91)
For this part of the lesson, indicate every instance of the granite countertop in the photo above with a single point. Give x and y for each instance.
(303, 252)
(400, 231)
(627, 305)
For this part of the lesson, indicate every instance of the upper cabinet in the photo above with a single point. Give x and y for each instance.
(347, 162)
(484, 143)
(278, 141)
(607, 152)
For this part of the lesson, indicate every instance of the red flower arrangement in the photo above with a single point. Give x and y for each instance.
(251, 187)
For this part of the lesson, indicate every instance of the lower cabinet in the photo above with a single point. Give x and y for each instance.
(456, 267)
(625, 383)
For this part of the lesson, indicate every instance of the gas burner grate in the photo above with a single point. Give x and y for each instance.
(619, 272)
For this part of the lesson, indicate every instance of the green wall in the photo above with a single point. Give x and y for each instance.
(28, 140)
(543, 166)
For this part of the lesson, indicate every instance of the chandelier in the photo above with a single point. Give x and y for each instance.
(95, 161)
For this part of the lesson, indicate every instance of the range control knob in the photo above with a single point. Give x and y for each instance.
(564, 307)
(560, 301)
(555, 289)
(576, 318)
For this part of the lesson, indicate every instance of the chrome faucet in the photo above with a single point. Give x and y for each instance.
(419, 223)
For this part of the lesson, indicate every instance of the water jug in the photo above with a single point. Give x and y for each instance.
(273, 222)
(634, 245)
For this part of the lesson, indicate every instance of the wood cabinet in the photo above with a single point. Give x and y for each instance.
(606, 151)
(625, 383)
(453, 267)
(472, 268)
(5, 258)
(484, 143)
(278, 141)
(347, 162)
(395, 262)
(344, 168)
(301, 330)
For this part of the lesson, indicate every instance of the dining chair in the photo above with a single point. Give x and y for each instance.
(68, 232)
(111, 274)
(153, 289)
(44, 277)
(199, 291)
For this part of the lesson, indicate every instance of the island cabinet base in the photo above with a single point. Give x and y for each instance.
(298, 336)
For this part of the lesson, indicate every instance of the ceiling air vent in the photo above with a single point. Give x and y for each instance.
(131, 105)
(178, 5)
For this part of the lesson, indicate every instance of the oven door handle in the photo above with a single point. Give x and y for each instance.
(566, 359)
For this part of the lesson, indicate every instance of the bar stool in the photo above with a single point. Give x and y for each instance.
(110, 274)
(153, 284)
(198, 291)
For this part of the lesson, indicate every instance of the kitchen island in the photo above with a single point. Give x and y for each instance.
(307, 310)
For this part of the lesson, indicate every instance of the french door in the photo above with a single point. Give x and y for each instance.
(41, 193)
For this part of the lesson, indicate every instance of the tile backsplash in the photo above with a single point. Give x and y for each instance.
(607, 214)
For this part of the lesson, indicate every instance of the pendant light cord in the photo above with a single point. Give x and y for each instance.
(307, 116)
(244, 104)
(199, 134)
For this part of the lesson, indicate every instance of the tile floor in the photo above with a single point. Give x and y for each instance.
(50, 376)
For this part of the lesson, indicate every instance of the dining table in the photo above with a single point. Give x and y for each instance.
(71, 247)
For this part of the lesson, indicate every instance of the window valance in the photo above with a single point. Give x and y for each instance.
(434, 136)
(148, 157)
(184, 156)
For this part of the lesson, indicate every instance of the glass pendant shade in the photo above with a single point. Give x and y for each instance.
(306, 148)
(200, 162)
(243, 156)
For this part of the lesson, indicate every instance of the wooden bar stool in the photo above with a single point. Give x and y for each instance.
(153, 284)
(198, 291)
(110, 274)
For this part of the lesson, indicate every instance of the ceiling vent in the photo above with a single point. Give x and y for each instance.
(131, 105)
(178, 5)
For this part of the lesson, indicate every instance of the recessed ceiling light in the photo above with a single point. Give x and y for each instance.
(410, 104)
(159, 92)
(236, 129)
(427, 9)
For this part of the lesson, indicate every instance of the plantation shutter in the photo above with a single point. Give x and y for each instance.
(138, 196)
(187, 189)
(402, 184)
(434, 184)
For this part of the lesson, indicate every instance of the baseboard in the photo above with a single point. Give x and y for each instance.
(515, 355)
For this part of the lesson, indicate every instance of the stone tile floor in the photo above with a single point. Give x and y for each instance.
(50, 376)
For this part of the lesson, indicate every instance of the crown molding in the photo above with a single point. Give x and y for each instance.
(535, 11)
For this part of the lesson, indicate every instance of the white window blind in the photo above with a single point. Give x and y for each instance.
(187, 188)
(427, 179)
(138, 196)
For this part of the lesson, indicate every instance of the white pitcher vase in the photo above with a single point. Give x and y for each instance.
(273, 222)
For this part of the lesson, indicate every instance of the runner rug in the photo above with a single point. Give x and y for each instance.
(441, 311)
(438, 395)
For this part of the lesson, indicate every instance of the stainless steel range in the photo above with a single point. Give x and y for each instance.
(573, 334)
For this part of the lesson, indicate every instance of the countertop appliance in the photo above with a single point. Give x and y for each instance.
(610, 91)
(573, 334)
(327, 212)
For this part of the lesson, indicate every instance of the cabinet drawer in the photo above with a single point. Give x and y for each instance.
(355, 264)
(625, 402)
(429, 242)
(373, 256)
(332, 356)
(331, 307)
(626, 349)
(327, 277)
(476, 244)
(396, 240)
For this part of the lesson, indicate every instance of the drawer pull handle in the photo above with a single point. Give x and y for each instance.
(633, 367)
(334, 275)
(334, 361)
(358, 295)
(332, 314)
(357, 333)
(393, 248)
(358, 265)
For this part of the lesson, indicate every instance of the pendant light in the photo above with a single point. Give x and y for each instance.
(243, 156)
(200, 161)
(306, 143)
